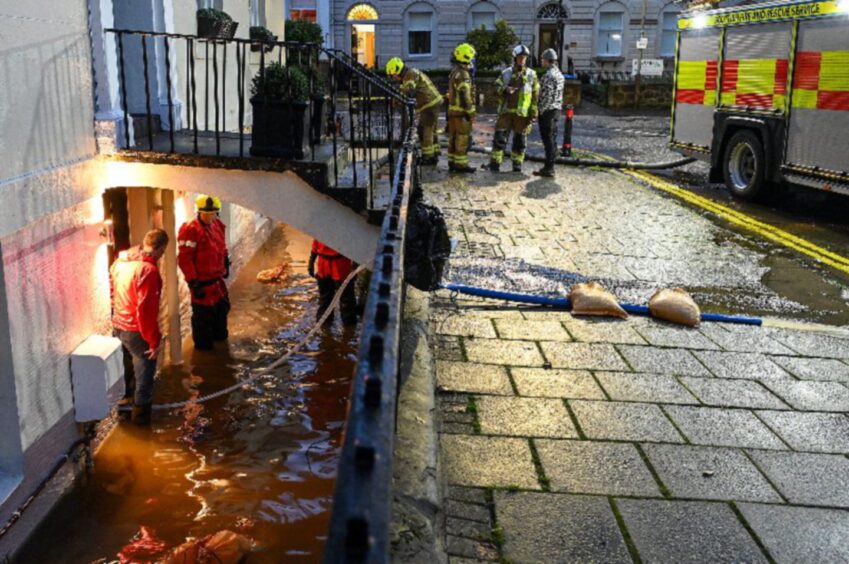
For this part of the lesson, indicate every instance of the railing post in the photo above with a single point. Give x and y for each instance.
(147, 93)
(170, 97)
(124, 90)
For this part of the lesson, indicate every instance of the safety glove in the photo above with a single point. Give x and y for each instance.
(311, 264)
(227, 266)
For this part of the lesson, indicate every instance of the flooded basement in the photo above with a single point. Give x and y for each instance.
(260, 462)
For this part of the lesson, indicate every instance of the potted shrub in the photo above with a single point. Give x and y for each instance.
(262, 38)
(279, 101)
(215, 24)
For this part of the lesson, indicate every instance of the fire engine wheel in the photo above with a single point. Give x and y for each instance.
(744, 165)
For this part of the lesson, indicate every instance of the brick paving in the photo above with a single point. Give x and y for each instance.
(576, 440)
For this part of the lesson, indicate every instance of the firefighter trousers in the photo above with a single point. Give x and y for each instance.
(428, 120)
(209, 324)
(327, 288)
(459, 137)
(520, 126)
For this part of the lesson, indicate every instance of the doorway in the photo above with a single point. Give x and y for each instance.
(549, 38)
(363, 43)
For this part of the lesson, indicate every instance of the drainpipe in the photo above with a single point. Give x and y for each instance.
(172, 281)
(640, 58)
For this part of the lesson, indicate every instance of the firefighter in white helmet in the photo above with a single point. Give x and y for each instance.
(518, 90)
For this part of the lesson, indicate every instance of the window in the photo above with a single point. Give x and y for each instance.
(609, 34)
(419, 33)
(257, 13)
(668, 34)
(302, 10)
(207, 4)
(362, 12)
(484, 20)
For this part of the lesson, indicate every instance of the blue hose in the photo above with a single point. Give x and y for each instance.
(564, 303)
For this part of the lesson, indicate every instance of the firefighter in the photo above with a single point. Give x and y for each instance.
(461, 109)
(330, 269)
(416, 84)
(518, 89)
(550, 106)
(136, 287)
(205, 264)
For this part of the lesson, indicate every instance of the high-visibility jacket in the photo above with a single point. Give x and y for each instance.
(329, 263)
(522, 102)
(416, 84)
(136, 287)
(461, 92)
(203, 257)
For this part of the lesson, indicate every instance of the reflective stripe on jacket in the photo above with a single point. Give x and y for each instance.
(461, 92)
(330, 264)
(136, 287)
(416, 84)
(202, 256)
(524, 100)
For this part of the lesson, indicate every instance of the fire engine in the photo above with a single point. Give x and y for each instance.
(762, 93)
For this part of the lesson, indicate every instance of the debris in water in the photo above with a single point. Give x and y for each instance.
(223, 547)
(273, 275)
(144, 547)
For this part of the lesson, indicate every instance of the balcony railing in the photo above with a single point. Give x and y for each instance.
(189, 95)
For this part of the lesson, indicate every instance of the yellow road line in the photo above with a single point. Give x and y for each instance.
(766, 231)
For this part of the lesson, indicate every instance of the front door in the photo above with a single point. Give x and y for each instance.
(363, 44)
(549, 38)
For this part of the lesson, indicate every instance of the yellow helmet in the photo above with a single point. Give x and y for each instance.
(394, 66)
(464, 53)
(205, 203)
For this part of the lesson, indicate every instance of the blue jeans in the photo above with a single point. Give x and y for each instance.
(139, 373)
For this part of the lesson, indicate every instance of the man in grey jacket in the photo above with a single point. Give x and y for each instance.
(550, 106)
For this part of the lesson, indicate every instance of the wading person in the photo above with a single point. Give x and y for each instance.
(416, 84)
(205, 263)
(518, 89)
(550, 106)
(461, 109)
(330, 269)
(136, 287)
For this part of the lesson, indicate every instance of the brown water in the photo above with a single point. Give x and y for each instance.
(261, 461)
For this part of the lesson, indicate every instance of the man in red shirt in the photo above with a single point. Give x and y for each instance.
(136, 287)
(330, 269)
(205, 263)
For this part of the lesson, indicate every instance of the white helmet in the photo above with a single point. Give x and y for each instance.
(520, 50)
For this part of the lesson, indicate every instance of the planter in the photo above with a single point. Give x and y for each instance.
(215, 28)
(278, 128)
(265, 44)
(317, 119)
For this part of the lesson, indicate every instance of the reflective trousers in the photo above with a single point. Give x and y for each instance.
(428, 121)
(209, 324)
(459, 137)
(520, 126)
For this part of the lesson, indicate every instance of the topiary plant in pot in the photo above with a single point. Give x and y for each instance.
(261, 38)
(279, 100)
(215, 24)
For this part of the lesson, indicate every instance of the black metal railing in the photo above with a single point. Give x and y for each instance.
(354, 122)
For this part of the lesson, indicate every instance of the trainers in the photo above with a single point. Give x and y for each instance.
(545, 171)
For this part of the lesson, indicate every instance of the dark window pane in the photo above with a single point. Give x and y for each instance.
(419, 42)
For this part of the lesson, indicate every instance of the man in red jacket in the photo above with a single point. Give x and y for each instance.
(330, 269)
(205, 263)
(136, 287)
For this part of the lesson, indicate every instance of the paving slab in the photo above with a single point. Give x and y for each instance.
(699, 472)
(687, 531)
(472, 377)
(810, 432)
(807, 479)
(604, 331)
(547, 527)
(469, 529)
(723, 427)
(466, 510)
(624, 421)
(826, 369)
(810, 343)
(596, 468)
(656, 388)
(676, 337)
(583, 356)
(537, 330)
(470, 460)
(737, 338)
(812, 396)
(556, 383)
(723, 392)
(800, 534)
(499, 351)
(753, 366)
(524, 417)
(470, 548)
(665, 361)
(464, 326)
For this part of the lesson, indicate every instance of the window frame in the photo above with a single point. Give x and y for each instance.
(420, 8)
(668, 10)
(622, 12)
(481, 8)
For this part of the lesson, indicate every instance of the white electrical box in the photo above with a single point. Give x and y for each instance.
(97, 375)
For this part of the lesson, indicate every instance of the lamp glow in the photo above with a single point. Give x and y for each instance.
(701, 21)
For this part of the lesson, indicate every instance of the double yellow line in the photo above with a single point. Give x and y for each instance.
(766, 231)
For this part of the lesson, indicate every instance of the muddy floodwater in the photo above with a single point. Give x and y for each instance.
(261, 461)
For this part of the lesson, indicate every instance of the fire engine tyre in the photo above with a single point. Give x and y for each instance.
(744, 166)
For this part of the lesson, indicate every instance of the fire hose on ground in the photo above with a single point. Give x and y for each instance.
(569, 161)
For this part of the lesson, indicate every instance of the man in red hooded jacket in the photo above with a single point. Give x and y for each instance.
(136, 286)
(205, 263)
(330, 269)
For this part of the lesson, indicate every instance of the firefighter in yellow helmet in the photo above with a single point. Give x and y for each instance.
(416, 84)
(205, 262)
(518, 90)
(461, 109)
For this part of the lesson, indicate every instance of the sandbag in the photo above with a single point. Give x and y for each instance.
(675, 305)
(427, 246)
(273, 275)
(223, 547)
(590, 298)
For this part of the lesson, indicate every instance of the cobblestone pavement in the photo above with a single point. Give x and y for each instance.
(566, 439)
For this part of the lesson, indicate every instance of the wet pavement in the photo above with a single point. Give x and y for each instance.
(261, 461)
(566, 439)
